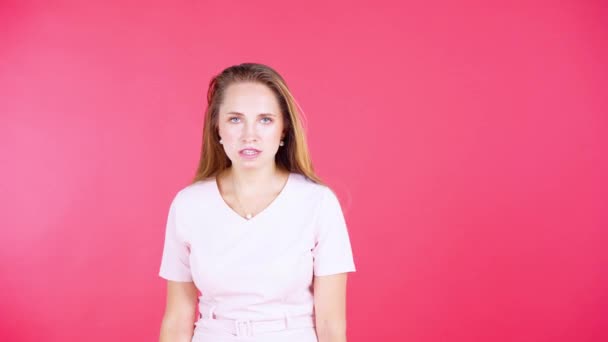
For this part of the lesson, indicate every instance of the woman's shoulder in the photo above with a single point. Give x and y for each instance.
(315, 198)
(308, 186)
(195, 192)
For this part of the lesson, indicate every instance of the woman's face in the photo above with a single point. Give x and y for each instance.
(250, 125)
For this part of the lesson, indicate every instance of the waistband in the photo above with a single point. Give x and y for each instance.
(246, 327)
(243, 327)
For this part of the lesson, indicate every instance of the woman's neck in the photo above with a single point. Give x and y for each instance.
(251, 182)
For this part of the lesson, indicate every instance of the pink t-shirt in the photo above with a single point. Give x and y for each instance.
(262, 268)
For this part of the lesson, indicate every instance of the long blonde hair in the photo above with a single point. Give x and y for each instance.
(293, 156)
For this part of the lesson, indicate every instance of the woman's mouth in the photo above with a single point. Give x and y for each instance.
(249, 153)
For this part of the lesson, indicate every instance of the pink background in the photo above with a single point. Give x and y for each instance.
(466, 142)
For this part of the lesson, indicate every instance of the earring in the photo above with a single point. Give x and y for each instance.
(281, 143)
(221, 142)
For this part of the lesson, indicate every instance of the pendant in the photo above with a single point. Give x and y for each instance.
(248, 216)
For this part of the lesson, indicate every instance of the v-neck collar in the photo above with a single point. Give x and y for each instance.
(269, 207)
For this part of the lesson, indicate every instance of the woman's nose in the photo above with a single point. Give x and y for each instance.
(249, 131)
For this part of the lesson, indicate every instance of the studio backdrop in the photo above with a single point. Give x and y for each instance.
(466, 141)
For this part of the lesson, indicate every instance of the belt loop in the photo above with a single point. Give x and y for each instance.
(238, 323)
(211, 314)
(285, 311)
(286, 314)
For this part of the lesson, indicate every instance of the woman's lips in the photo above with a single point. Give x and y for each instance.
(249, 153)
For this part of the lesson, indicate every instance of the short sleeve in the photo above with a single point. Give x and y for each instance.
(175, 262)
(332, 252)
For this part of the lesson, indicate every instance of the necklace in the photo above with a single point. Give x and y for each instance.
(247, 215)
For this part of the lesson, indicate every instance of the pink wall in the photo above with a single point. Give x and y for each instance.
(467, 144)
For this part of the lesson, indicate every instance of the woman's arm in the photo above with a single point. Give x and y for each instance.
(330, 307)
(180, 312)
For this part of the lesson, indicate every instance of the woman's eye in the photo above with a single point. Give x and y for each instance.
(269, 120)
(233, 119)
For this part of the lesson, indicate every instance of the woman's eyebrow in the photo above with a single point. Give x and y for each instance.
(241, 114)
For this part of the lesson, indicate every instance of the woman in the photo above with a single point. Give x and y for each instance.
(257, 233)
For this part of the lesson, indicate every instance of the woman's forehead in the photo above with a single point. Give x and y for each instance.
(249, 99)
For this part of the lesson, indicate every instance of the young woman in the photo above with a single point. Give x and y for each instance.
(257, 232)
